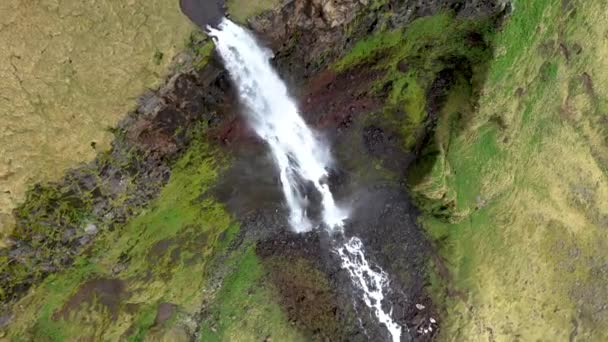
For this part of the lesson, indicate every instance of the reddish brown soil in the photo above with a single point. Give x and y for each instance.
(305, 292)
(105, 292)
(164, 312)
(331, 99)
(234, 131)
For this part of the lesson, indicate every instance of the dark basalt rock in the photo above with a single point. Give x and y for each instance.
(307, 34)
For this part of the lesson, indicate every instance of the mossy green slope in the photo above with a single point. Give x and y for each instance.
(245, 308)
(525, 178)
(168, 254)
(412, 57)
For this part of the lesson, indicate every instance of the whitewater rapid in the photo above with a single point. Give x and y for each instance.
(299, 154)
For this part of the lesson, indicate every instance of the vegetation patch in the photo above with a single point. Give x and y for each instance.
(201, 47)
(514, 186)
(306, 297)
(412, 59)
(241, 10)
(161, 256)
(245, 308)
(70, 70)
(52, 219)
(105, 292)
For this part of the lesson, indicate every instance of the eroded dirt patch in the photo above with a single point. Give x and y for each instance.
(330, 99)
(164, 312)
(105, 292)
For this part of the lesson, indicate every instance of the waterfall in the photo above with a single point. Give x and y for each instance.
(299, 154)
(296, 150)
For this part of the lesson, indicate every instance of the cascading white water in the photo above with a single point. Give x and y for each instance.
(371, 282)
(274, 116)
(298, 152)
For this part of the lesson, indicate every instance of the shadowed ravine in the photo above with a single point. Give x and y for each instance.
(301, 157)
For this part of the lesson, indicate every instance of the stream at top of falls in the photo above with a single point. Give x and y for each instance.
(300, 155)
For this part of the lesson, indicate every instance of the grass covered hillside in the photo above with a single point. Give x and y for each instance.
(523, 175)
(70, 70)
(241, 10)
(148, 280)
(513, 182)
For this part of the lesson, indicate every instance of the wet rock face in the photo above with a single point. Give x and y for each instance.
(326, 18)
(314, 290)
(305, 28)
(306, 35)
(318, 295)
(319, 16)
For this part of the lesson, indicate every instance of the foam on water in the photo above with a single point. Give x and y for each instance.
(371, 282)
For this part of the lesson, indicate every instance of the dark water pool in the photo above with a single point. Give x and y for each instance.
(203, 12)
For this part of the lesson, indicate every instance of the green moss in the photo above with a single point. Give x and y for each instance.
(411, 59)
(470, 158)
(42, 220)
(50, 204)
(201, 47)
(161, 255)
(522, 33)
(204, 54)
(56, 289)
(517, 167)
(158, 57)
(142, 324)
(368, 49)
(245, 308)
(425, 40)
(228, 237)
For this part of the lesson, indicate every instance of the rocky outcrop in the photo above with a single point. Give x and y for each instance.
(307, 34)
(324, 17)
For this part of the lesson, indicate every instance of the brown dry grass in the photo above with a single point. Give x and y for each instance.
(69, 70)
